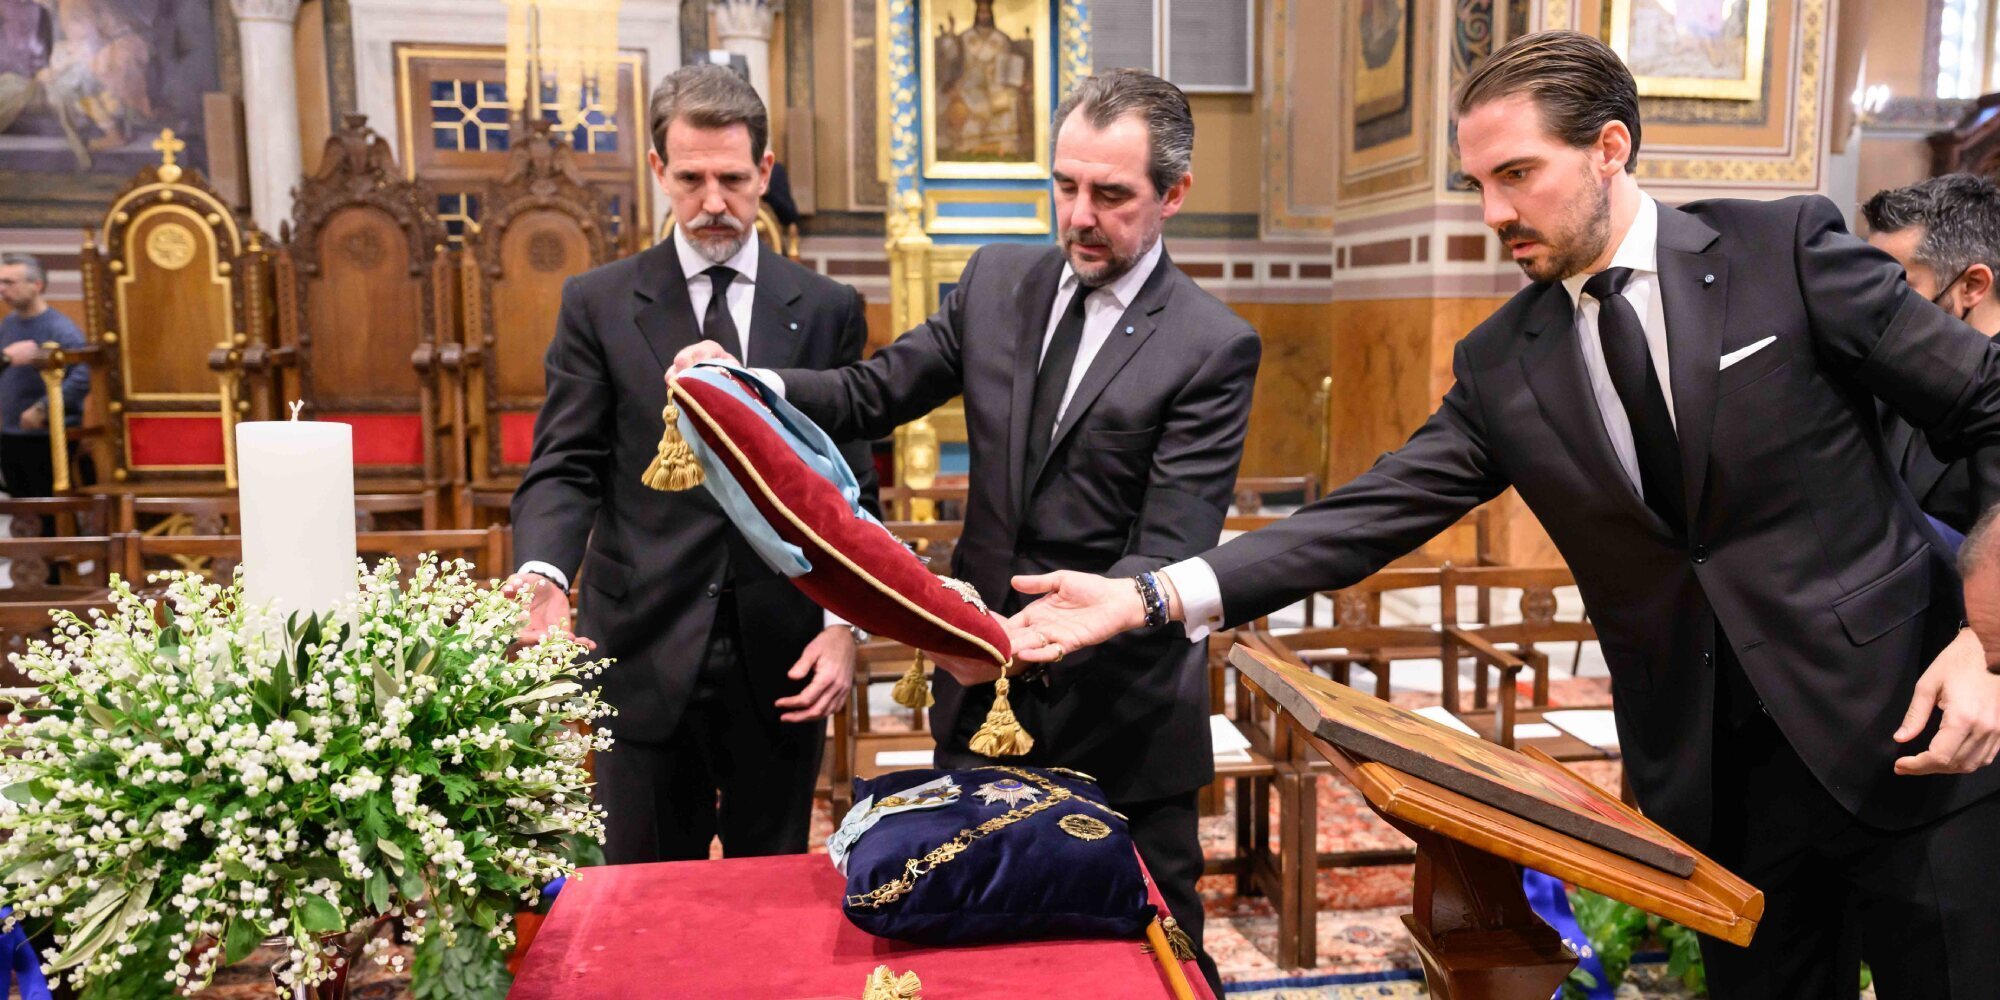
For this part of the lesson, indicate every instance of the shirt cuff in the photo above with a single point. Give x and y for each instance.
(540, 568)
(770, 378)
(832, 619)
(1200, 594)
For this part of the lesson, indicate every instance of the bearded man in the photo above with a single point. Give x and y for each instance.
(725, 673)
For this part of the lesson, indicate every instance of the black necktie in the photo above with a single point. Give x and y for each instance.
(716, 323)
(1057, 363)
(1630, 364)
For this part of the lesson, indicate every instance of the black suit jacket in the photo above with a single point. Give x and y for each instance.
(1802, 547)
(1942, 489)
(654, 563)
(1139, 475)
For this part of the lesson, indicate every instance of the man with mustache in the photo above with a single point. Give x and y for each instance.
(1106, 399)
(725, 673)
(1685, 397)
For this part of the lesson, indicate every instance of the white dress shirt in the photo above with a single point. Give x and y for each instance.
(1194, 580)
(1100, 315)
(701, 287)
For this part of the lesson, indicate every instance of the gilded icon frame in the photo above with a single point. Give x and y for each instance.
(1747, 86)
(1028, 25)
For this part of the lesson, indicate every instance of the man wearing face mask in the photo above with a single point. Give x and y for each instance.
(1106, 399)
(1945, 231)
(724, 675)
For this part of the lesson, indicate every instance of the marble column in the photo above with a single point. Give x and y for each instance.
(744, 26)
(270, 106)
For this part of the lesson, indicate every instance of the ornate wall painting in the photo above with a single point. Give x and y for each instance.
(1692, 48)
(985, 87)
(85, 88)
(1380, 36)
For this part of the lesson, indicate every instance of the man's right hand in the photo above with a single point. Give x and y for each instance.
(22, 352)
(693, 354)
(548, 607)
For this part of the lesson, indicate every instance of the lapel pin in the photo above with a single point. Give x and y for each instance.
(1708, 279)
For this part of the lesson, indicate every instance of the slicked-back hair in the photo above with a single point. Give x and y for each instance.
(1958, 213)
(1107, 97)
(1577, 82)
(708, 96)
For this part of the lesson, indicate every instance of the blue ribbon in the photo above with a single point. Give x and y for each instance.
(20, 968)
(1548, 899)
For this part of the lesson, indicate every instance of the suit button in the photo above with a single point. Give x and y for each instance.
(1701, 553)
(714, 589)
(1708, 659)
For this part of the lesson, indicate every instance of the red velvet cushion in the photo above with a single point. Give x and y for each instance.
(859, 571)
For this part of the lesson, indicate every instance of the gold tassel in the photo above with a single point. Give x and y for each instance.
(1178, 939)
(884, 984)
(674, 469)
(1001, 734)
(913, 689)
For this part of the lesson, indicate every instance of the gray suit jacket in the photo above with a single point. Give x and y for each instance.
(1802, 548)
(1139, 475)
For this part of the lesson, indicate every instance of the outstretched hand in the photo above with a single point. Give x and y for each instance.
(548, 608)
(968, 672)
(696, 353)
(1076, 610)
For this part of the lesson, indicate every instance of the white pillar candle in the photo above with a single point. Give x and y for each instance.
(296, 483)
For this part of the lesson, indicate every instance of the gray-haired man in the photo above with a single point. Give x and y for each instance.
(1945, 231)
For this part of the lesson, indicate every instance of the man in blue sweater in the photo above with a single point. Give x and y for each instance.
(25, 464)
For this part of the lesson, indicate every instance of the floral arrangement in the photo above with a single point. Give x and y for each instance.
(200, 775)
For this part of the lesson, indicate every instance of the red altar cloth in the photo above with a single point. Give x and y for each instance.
(771, 929)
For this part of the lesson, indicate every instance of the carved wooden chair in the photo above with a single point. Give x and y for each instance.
(176, 288)
(541, 224)
(1506, 649)
(364, 285)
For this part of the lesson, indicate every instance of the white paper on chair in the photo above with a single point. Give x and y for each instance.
(1228, 742)
(903, 758)
(1443, 717)
(1594, 726)
(1535, 731)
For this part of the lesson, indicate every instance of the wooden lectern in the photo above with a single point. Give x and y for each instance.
(1473, 927)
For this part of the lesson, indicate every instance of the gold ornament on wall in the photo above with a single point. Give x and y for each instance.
(571, 45)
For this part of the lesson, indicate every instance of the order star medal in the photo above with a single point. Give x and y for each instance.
(1008, 791)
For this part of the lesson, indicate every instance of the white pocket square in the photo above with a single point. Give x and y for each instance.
(1739, 354)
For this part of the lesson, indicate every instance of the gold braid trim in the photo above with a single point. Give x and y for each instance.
(916, 868)
(884, 984)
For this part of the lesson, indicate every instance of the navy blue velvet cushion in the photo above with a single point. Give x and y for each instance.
(1064, 867)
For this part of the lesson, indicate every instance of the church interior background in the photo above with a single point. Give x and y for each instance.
(244, 202)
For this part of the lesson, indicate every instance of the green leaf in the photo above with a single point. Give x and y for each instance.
(544, 693)
(100, 715)
(238, 871)
(413, 884)
(388, 847)
(322, 866)
(457, 787)
(94, 928)
(20, 791)
(378, 891)
(239, 939)
(386, 685)
(320, 916)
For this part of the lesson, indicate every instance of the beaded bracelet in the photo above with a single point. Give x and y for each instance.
(1152, 598)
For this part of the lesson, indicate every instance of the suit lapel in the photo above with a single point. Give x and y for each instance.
(1036, 295)
(1127, 335)
(1694, 290)
(666, 315)
(774, 328)
(1553, 367)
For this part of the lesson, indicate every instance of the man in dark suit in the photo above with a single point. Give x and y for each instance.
(1106, 399)
(723, 672)
(1686, 399)
(1945, 231)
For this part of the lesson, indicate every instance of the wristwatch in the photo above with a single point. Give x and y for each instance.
(860, 634)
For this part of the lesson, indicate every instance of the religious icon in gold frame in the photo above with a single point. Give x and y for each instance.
(985, 79)
(1692, 48)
